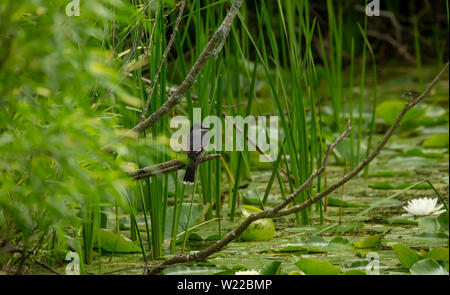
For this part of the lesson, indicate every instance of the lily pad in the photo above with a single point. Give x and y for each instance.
(340, 243)
(402, 220)
(417, 152)
(399, 186)
(429, 224)
(185, 270)
(112, 242)
(406, 256)
(255, 198)
(311, 245)
(389, 111)
(439, 254)
(311, 266)
(343, 151)
(409, 162)
(125, 223)
(335, 202)
(437, 141)
(443, 219)
(272, 268)
(195, 215)
(231, 271)
(348, 227)
(259, 230)
(432, 236)
(428, 267)
(383, 174)
(435, 115)
(370, 242)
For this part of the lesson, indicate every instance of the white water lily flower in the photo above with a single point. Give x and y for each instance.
(423, 207)
(250, 272)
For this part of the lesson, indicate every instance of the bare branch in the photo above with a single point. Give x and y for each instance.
(409, 104)
(210, 50)
(165, 168)
(313, 176)
(163, 59)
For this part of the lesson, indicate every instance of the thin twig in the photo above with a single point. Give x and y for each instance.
(48, 267)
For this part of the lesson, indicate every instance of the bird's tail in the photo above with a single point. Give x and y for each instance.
(189, 177)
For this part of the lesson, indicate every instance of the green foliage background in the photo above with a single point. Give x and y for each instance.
(57, 142)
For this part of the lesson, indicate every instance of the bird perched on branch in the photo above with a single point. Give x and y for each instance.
(197, 142)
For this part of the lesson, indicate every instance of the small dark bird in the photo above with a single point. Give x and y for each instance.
(197, 142)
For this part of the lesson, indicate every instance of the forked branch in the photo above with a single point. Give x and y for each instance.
(202, 255)
(280, 210)
(412, 102)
